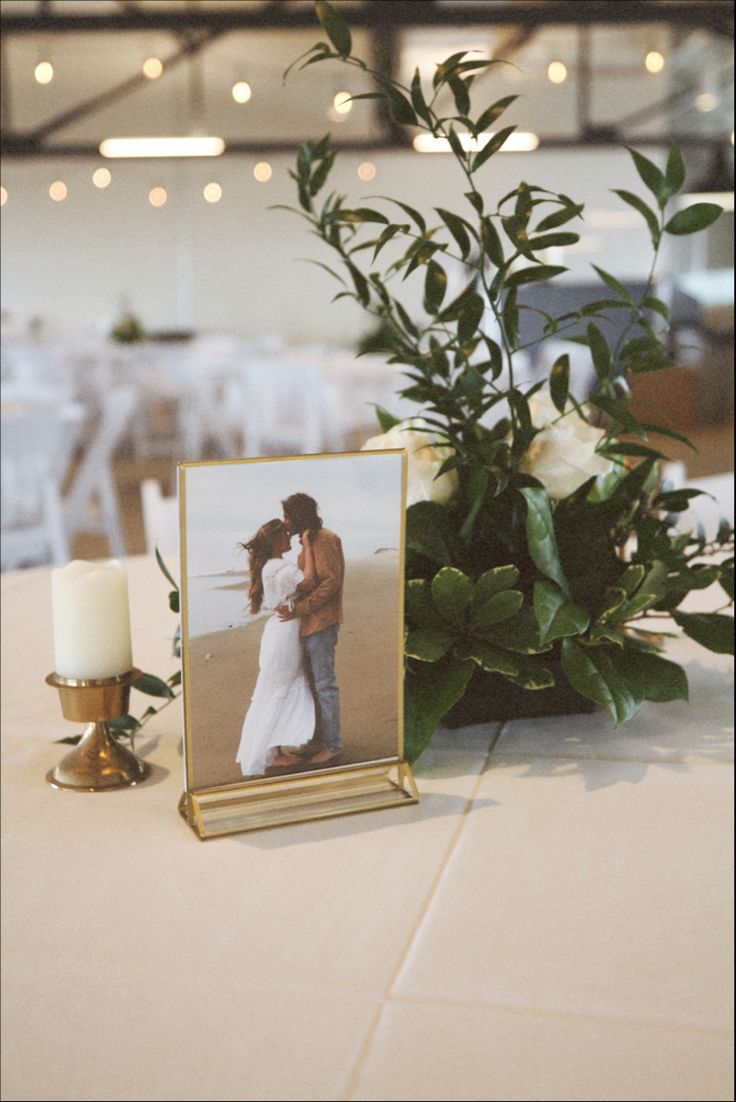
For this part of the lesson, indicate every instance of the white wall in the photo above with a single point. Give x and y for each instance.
(233, 265)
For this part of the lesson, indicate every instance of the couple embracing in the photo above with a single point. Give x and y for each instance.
(294, 716)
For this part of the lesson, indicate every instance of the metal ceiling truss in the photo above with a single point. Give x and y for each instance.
(197, 28)
(716, 16)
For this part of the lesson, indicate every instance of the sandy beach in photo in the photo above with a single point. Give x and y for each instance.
(223, 668)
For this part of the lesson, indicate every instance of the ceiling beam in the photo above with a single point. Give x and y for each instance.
(18, 146)
(716, 16)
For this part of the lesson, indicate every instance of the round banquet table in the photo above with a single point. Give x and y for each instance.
(551, 921)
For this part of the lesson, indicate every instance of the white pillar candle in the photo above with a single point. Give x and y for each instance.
(91, 619)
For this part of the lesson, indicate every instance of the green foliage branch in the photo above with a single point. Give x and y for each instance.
(503, 579)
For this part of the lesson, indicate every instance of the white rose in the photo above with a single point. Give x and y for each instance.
(563, 453)
(425, 459)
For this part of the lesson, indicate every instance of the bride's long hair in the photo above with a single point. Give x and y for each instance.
(260, 549)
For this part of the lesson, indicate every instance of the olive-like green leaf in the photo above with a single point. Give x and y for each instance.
(710, 629)
(541, 536)
(552, 241)
(458, 227)
(502, 606)
(470, 317)
(429, 693)
(615, 284)
(444, 68)
(560, 217)
(492, 146)
(476, 200)
(693, 218)
(657, 305)
(556, 615)
(559, 381)
(592, 673)
(459, 93)
(151, 685)
(415, 216)
(652, 176)
(646, 212)
(452, 592)
(174, 604)
(427, 644)
(417, 98)
(334, 27)
(534, 275)
(675, 171)
(455, 143)
(491, 242)
(599, 351)
(493, 112)
(435, 285)
(164, 569)
(360, 214)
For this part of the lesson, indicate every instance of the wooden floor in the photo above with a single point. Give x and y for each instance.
(714, 454)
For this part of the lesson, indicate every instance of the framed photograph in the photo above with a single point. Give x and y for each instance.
(292, 628)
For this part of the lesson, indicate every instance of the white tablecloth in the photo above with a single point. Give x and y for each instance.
(552, 921)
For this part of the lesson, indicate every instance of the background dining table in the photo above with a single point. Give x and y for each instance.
(551, 921)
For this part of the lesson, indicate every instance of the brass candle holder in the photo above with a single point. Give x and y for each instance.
(98, 763)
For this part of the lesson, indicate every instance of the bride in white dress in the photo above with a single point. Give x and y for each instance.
(281, 711)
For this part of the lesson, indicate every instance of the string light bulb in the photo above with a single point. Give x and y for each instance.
(557, 72)
(366, 170)
(212, 192)
(343, 103)
(44, 72)
(157, 196)
(263, 172)
(654, 62)
(101, 177)
(3, 196)
(241, 91)
(58, 191)
(152, 68)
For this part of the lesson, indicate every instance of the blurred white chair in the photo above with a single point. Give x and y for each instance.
(160, 519)
(91, 505)
(281, 409)
(35, 437)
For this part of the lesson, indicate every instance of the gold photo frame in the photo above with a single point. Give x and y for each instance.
(292, 596)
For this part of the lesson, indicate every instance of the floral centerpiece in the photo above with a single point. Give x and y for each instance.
(542, 549)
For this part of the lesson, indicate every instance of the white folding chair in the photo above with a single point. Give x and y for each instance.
(34, 440)
(93, 483)
(282, 409)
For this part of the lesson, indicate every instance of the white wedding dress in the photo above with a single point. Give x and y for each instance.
(281, 710)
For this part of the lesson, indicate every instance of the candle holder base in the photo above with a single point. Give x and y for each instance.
(99, 762)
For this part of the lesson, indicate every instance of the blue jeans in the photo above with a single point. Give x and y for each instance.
(319, 655)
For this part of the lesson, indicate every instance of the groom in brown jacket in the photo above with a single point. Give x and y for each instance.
(320, 615)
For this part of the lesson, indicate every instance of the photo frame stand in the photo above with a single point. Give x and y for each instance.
(281, 800)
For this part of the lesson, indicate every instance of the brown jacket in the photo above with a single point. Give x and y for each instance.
(323, 606)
